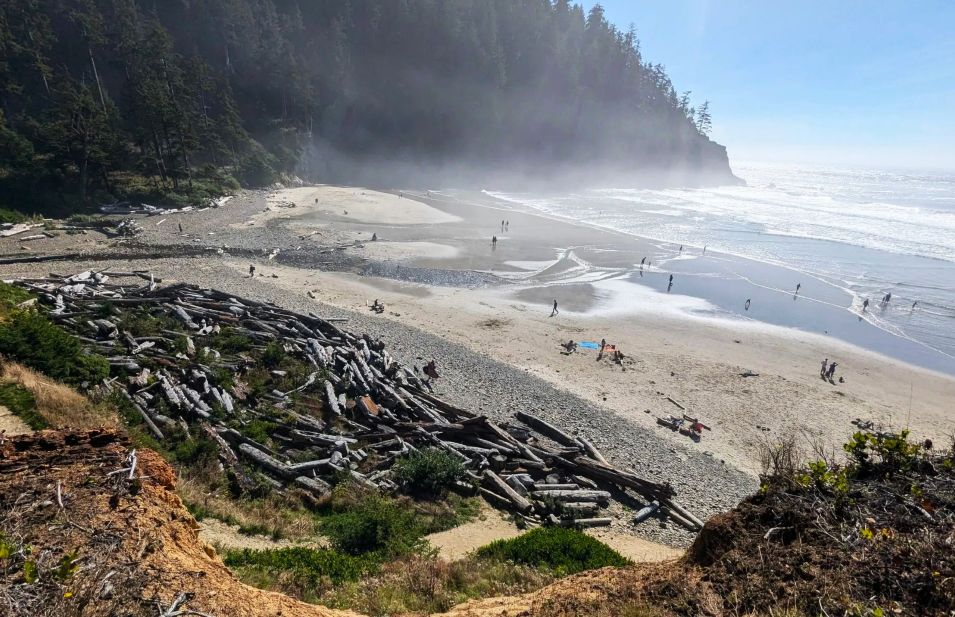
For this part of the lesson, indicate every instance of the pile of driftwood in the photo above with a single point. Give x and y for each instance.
(363, 410)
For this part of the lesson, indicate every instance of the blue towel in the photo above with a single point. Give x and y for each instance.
(589, 345)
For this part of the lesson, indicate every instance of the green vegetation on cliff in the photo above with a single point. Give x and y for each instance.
(177, 102)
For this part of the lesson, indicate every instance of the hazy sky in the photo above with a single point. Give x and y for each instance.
(866, 83)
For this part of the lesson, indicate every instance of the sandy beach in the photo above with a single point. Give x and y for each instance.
(482, 312)
(671, 351)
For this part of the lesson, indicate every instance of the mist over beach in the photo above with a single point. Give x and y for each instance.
(477, 308)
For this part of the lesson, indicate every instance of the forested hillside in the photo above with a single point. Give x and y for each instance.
(181, 99)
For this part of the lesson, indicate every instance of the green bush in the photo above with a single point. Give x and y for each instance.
(307, 566)
(30, 338)
(12, 216)
(374, 525)
(11, 295)
(22, 404)
(564, 551)
(273, 355)
(428, 473)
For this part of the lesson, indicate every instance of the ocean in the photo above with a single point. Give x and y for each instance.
(846, 235)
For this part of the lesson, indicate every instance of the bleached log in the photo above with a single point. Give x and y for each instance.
(499, 486)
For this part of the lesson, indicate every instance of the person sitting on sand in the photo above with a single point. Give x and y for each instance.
(570, 346)
(554, 311)
(431, 370)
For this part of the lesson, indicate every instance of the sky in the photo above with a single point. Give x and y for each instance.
(837, 82)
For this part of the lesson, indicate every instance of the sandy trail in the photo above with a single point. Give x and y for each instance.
(11, 424)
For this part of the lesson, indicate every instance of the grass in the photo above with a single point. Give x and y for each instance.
(21, 403)
(563, 551)
(417, 584)
(207, 495)
(56, 404)
(303, 568)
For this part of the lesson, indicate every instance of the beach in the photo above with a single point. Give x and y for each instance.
(674, 346)
(482, 312)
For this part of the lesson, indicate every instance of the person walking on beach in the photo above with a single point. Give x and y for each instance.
(502, 225)
(180, 227)
(681, 249)
(642, 261)
(822, 371)
(494, 240)
(251, 270)
(507, 225)
(798, 285)
(704, 249)
(746, 305)
(865, 305)
(554, 311)
(832, 371)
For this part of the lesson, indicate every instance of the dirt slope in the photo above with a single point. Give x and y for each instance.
(132, 543)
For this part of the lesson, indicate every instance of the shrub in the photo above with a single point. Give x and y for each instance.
(12, 216)
(273, 355)
(428, 473)
(306, 566)
(11, 295)
(564, 551)
(374, 525)
(32, 339)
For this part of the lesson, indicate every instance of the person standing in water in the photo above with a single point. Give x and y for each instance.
(642, 261)
(704, 249)
(670, 286)
(865, 305)
(798, 285)
(746, 306)
(554, 311)
(681, 249)
(507, 225)
(502, 225)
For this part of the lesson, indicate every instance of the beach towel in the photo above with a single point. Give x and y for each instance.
(589, 345)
